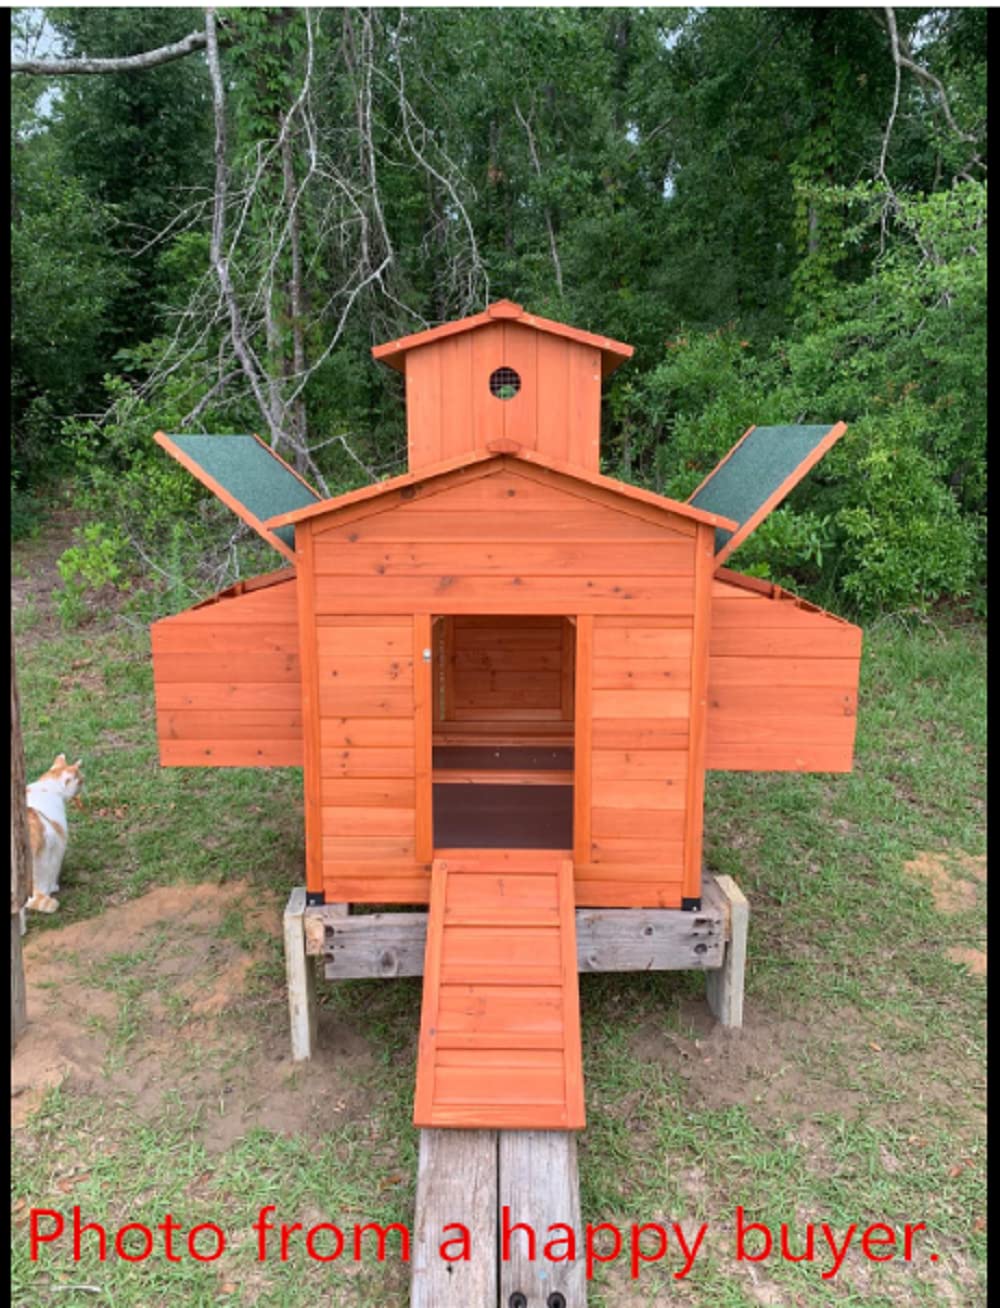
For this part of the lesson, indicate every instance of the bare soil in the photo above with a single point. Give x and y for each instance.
(954, 880)
(155, 998)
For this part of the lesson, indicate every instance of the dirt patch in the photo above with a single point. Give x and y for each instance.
(795, 1069)
(172, 998)
(952, 879)
(759, 1066)
(973, 959)
(36, 560)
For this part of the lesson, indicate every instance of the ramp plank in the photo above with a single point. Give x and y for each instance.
(457, 1182)
(539, 1187)
(500, 1023)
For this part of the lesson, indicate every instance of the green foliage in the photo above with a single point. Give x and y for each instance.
(686, 180)
(63, 277)
(893, 517)
(91, 564)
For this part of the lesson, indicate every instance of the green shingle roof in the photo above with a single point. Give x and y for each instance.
(754, 470)
(248, 471)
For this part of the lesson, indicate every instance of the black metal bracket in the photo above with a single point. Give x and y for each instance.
(315, 899)
(691, 905)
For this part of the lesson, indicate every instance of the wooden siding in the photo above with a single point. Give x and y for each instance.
(542, 550)
(226, 679)
(783, 682)
(451, 411)
(532, 548)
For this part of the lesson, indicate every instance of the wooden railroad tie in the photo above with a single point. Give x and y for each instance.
(473, 1177)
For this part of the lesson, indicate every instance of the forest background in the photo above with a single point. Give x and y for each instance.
(784, 210)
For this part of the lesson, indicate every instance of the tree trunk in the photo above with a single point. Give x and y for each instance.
(296, 301)
(20, 862)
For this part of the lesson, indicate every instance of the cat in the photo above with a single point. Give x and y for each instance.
(47, 827)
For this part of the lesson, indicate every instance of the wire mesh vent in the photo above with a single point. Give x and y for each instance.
(504, 383)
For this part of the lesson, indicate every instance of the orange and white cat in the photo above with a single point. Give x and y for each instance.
(48, 828)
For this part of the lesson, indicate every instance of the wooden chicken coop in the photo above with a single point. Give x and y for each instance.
(505, 676)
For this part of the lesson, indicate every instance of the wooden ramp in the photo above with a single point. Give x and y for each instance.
(500, 1022)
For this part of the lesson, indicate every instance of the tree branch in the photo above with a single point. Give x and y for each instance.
(537, 164)
(126, 64)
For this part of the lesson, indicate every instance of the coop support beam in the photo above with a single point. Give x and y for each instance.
(608, 940)
(456, 1182)
(724, 985)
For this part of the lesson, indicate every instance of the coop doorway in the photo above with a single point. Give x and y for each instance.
(503, 731)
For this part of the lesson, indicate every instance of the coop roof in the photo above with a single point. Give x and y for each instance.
(248, 477)
(613, 353)
(501, 449)
(764, 466)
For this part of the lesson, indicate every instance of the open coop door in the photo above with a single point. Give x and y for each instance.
(248, 477)
(761, 469)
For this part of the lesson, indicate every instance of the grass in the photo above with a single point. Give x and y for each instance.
(854, 1095)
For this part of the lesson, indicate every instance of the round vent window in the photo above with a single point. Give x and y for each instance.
(504, 383)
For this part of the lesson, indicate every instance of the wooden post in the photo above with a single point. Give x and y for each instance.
(20, 863)
(724, 985)
(301, 978)
(302, 944)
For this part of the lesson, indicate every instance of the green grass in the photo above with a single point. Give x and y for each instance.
(855, 1094)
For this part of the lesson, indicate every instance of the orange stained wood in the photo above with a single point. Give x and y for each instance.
(695, 796)
(552, 545)
(533, 465)
(226, 678)
(371, 792)
(499, 1039)
(452, 408)
(614, 353)
(500, 668)
(310, 700)
(782, 681)
(635, 837)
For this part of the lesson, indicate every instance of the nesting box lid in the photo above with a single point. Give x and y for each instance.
(247, 476)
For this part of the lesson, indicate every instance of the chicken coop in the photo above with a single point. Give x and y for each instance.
(505, 676)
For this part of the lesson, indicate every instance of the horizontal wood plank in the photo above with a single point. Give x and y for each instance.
(608, 940)
(480, 557)
(355, 731)
(236, 724)
(219, 753)
(207, 638)
(209, 666)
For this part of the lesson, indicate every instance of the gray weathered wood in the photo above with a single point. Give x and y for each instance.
(456, 1182)
(20, 863)
(647, 939)
(608, 940)
(539, 1185)
(724, 986)
(301, 978)
(375, 945)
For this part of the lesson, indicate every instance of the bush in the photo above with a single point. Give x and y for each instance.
(893, 518)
